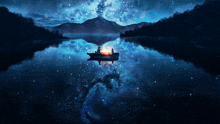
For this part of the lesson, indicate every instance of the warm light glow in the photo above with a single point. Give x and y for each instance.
(106, 49)
(106, 53)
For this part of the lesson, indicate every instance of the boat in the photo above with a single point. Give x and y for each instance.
(103, 56)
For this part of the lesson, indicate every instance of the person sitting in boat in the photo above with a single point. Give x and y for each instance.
(99, 50)
(112, 51)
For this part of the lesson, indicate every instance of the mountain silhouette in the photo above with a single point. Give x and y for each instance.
(201, 22)
(16, 29)
(96, 25)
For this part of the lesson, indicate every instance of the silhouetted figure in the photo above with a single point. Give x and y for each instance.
(99, 50)
(112, 51)
(98, 56)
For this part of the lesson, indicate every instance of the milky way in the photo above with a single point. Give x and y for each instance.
(124, 12)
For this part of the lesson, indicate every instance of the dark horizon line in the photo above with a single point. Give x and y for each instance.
(95, 18)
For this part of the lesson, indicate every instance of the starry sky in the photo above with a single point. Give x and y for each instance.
(123, 12)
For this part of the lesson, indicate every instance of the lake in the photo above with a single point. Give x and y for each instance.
(59, 85)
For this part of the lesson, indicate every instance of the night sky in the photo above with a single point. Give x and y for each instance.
(124, 12)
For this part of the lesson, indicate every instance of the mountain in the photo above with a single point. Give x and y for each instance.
(51, 29)
(17, 29)
(201, 22)
(96, 25)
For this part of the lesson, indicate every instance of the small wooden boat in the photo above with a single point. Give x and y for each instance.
(103, 56)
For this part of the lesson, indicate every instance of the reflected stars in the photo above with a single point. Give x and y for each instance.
(146, 84)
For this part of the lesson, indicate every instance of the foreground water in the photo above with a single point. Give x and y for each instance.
(59, 85)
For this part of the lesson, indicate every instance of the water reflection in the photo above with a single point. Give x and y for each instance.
(142, 86)
(11, 54)
(202, 56)
(100, 61)
(96, 38)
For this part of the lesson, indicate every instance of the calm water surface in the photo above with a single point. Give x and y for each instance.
(66, 88)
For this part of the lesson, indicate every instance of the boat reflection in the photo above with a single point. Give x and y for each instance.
(103, 59)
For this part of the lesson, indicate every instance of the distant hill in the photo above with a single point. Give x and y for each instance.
(201, 22)
(16, 29)
(96, 25)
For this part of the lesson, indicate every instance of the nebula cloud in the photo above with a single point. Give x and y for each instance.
(123, 12)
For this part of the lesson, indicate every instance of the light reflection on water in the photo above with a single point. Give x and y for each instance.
(81, 85)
